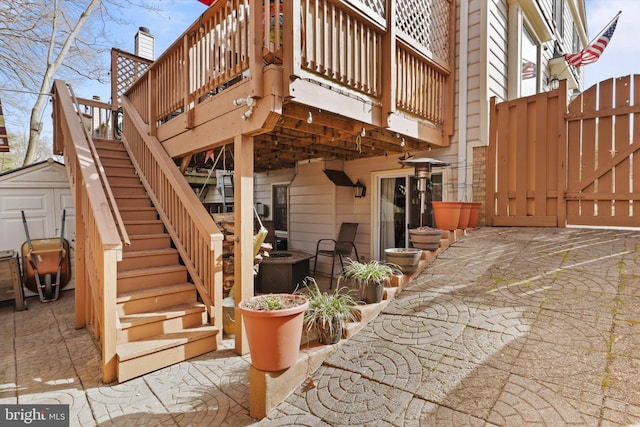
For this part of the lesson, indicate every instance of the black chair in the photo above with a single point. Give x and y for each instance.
(340, 247)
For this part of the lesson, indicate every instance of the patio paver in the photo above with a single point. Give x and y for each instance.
(507, 327)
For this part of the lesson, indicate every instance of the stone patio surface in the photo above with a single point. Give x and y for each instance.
(507, 327)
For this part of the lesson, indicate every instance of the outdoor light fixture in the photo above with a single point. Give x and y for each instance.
(553, 82)
(359, 189)
(250, 102)
(309, 118)
(423, 166)
(363, 133)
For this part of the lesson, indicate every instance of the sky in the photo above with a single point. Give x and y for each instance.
(622, 56)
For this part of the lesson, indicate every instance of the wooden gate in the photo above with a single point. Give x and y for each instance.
(525, 162)
(603, 141)
(597, 137)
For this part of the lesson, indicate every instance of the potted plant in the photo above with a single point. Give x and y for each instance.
(273, 324)
(327, 312)
(407, 259)
(370, 277)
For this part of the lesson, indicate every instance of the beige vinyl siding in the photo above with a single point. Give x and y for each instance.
(497, 40)
(263, 183)
(312, 200)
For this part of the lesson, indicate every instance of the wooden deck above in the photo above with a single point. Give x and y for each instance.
(344, 80)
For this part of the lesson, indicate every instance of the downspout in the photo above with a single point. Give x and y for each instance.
(462, 99)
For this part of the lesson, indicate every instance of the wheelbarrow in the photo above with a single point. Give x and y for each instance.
(43, 261)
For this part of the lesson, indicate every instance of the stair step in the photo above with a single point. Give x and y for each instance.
(110, 160)
(124, 180)
(138, 213)
(113, 152)
(148, 241)
(131, 200)
(119, 169)
(139, 326)
(143, 278)
(111, 144)
(171, 312)
(127, 190)
(135, 228)
(132, 260)
(154, 299)
(139, 358)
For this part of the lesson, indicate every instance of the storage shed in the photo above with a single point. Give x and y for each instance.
(42, 191)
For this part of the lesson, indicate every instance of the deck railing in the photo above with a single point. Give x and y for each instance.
(98, 247)
(340, 42)
(192, 229)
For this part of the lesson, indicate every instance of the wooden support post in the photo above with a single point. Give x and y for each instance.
(256, 32)
(388, 65)
(80, 254)
(109, 333)
(243, 218)
(292, 46)
(153, 102)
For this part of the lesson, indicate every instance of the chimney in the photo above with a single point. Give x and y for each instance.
(145, 44)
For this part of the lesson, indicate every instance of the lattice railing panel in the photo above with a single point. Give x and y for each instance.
(129, 68)
(375, 6)
(426, 23)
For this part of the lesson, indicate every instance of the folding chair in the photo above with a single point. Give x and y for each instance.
(340, 247)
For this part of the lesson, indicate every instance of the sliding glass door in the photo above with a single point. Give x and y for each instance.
(397, 208)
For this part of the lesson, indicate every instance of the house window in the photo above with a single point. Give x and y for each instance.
(529, 64)
(575, 41)
(558, 9)
(280, 208)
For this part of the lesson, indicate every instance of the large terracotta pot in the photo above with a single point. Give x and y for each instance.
(474, 215)
(465, 212)
(274, 336)
(447, 214)
(407, 259)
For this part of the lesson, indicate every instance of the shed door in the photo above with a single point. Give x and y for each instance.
(43, 210)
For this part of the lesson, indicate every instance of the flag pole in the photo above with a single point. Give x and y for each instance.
(606, 27)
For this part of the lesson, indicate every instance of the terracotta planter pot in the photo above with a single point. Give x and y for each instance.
(474, 214)
(465, 212)
(406, 259)
(274, 336)
(447, 214)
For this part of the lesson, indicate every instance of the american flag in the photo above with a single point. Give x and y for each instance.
(528, 69)
(592, 52)
(4, 140)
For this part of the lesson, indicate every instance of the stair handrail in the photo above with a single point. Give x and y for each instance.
(103, 177)
(147, 154)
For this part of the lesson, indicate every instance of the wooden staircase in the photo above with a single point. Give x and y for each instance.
(160, 321)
